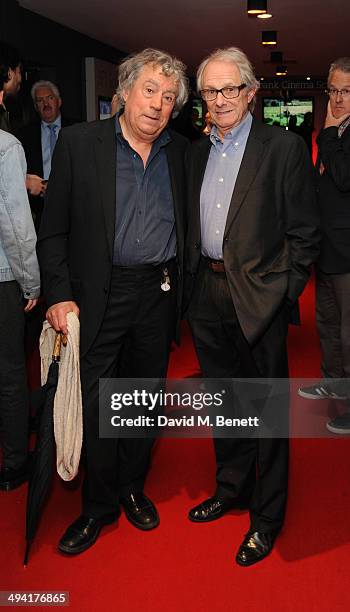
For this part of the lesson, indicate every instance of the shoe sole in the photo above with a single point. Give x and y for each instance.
(336, 430)
(306, 395)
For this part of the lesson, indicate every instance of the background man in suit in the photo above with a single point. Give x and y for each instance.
(333, 266)
(112, 233)
(39, 140)
(252, 238)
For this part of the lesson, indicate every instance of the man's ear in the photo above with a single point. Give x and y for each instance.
(251, 94)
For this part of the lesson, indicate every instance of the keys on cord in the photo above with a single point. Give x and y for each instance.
(165, 284)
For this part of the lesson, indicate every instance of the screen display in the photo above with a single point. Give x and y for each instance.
(104, 107)
(279, 112)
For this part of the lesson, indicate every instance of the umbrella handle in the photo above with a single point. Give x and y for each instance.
(60, 338)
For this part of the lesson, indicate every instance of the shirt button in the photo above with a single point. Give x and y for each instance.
(224, 154)
(221, 180)
(137, 241)
(217, 232)
(218, 206)
(236, 144)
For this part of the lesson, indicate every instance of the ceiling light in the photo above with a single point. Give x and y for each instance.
(256, 7)
(269, 37)
(264, 16)
(281, 70)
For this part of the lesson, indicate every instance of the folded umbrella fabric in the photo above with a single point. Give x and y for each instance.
(68, 417)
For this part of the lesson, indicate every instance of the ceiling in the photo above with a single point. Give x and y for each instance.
(312, 32)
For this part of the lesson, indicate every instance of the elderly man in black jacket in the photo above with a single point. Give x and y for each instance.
(333, 267)
(111, 250)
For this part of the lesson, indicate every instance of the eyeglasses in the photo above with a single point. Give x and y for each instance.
(228, 92)
(333, 93)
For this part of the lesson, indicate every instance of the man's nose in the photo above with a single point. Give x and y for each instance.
(220, 99)
(157, 100)
(338, 96)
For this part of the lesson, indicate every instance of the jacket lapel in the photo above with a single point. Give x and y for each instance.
(199, 163)
(106, 164)
(250, 165)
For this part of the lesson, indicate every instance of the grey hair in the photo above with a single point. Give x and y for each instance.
(130, 69)
(343, 64)
(236, 56)
(49, 85)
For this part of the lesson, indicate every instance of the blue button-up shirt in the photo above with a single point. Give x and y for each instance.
(45, 144)
(145, 221)
(218, 184)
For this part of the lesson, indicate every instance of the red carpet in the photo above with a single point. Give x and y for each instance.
(185, 567)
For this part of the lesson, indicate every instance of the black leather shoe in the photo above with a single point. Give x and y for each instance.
(212, 509)
(83, 533)
(140, 511)
(11, 479)
(255, 547)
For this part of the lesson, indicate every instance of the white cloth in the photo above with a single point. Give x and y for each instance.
(68, 417)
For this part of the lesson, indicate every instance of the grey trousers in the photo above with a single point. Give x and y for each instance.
(333, 323)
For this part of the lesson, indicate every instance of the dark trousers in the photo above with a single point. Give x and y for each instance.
(333, 323)
(256, 469)
(134, 341)
(13, 380)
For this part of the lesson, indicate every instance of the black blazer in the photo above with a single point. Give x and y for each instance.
(271, 236)
(334, 200)
(75, 244)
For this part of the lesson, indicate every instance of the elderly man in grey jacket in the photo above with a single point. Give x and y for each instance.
(19, 291)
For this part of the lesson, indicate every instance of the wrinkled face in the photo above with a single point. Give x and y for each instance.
(340, 104)
(47, 104)
(12, 87)
(226, 114)
(149, 103)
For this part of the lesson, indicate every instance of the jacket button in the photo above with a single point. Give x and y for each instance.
(196, 245)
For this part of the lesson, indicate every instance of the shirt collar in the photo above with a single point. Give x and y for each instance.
(57, 123)
(236, 135)
(161, 141)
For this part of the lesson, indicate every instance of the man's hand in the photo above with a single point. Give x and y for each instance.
(332, 121)
(35, 185)
(30, 304)
(57, 315)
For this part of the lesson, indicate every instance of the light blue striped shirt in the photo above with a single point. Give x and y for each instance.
(218, 184)
(45, 144)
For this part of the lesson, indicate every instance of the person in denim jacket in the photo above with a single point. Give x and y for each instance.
(19, 292)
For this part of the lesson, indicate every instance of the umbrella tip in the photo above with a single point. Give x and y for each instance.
(26, 555)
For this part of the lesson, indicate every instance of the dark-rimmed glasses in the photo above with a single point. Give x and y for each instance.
(229, 92)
